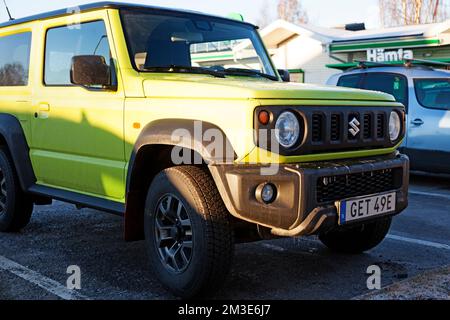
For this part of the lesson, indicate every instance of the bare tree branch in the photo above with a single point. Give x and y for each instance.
(408, 12)
(292, 11)
(265, 16)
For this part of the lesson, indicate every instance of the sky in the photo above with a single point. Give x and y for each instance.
(325, 13)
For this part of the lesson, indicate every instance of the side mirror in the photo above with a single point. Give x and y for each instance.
(285, 75)
(90, 71)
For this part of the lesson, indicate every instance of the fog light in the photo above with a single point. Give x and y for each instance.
(266, 193)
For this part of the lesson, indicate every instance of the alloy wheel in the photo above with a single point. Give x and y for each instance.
(173, 234)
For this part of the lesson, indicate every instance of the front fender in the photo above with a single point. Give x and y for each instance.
(165, 132)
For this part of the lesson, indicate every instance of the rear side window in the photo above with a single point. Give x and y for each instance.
(350, 81)
(433, 93)
(394, 84)
(15, 59)
(63, 43)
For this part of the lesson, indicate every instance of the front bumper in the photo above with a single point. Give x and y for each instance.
(304, 205)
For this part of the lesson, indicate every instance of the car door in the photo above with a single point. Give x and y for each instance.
(77, 132)
(429, 125)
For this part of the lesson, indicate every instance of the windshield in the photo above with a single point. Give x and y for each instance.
(433, 93)
(189, 43)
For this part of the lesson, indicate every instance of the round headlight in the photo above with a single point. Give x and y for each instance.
(395, 126)
(287, 129)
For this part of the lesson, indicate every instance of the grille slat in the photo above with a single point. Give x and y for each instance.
(336, 127)
(318, 125)
(367, 126)
(380, 125)
(358, 184)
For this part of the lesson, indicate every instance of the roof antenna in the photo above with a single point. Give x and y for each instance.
(7, 10)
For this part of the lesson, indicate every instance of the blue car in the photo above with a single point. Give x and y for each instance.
(425, 92)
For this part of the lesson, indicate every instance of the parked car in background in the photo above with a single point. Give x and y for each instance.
(425, 91)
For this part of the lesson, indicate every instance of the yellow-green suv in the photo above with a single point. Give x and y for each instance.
(179, 122)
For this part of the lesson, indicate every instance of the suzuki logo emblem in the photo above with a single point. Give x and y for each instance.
(354, 127)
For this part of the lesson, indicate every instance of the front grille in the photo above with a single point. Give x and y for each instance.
(330, 189)
(329, 129)
(346, 130)
(320, 128)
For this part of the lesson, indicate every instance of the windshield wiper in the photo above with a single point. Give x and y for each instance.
(248, 72)
(185, 69)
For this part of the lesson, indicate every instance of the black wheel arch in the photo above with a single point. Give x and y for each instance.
(152, 154)
(13, 138)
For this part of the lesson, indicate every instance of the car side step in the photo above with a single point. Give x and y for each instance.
(80, 200)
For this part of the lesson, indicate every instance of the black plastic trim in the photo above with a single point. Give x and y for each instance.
(160, 133)
(297, 183)
(311, 174)
(12, 132)
(79, 199)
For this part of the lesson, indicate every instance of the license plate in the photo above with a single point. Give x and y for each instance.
(362, 208)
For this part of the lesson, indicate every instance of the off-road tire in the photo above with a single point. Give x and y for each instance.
(16, 207)
(358, 239)
(212, 232)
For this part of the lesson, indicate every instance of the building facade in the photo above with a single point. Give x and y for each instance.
(318, 53)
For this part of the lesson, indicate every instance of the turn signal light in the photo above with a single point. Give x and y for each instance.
(264, 118)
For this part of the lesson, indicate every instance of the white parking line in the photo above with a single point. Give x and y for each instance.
(420, 242)
(430, 194)
(390, 236)
(38, 279)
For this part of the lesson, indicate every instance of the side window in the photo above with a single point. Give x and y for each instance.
(350, 81)
(433, 93)
(394, 84)
(63, 43)
(15, 59)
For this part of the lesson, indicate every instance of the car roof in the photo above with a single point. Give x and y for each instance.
(416, 71)
(108, 5)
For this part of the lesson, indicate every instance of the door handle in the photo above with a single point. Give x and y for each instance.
(42, 112)
(44, 107)
(417, 122)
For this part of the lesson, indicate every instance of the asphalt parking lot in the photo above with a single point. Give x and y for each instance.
(33, 264)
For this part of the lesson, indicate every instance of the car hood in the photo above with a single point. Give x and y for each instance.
(207, 87)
